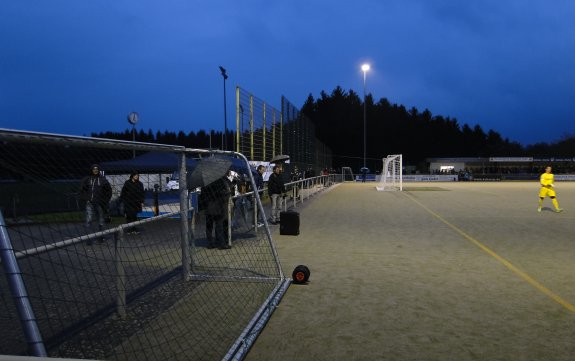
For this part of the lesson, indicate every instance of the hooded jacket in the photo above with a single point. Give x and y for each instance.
(96, 189)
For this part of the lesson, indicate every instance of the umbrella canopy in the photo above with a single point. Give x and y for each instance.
(279, 158)
(208, 170)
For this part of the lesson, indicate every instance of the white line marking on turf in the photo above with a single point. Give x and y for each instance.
(533, 282)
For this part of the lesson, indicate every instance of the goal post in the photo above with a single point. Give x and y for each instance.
(347, 174)
(391, 174)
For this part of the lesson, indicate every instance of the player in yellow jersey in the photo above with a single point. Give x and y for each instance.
(547, 189)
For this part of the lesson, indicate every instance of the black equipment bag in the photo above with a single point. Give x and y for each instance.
(289, 223)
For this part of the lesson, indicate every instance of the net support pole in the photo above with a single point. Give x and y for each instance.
(184, 211)
(19, 293)
(239, 129)
(229, 215)
(120, 275)
(264, 131)
(251, 127)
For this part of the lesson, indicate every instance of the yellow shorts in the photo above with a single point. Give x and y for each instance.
(546, 192)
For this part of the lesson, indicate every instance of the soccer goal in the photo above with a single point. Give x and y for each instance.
(391, 179)
(347, 174)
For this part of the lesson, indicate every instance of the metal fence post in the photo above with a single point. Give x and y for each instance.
(251, 127)
(229, 215)
(120, 274)
(264, 131)
(19, 293)
(184, 211)
(255, 205)
(156, 196)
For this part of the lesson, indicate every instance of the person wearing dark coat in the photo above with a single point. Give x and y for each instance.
(259, 180)
(132, 196)
(276, 189)
(215, 198)
(259, 177)
(96, 191)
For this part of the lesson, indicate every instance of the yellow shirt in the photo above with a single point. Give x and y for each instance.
(546, 179)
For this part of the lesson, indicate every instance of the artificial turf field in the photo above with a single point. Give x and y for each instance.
(441, 271)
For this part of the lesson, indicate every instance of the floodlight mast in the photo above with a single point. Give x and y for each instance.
(365, 69)
(225, 136)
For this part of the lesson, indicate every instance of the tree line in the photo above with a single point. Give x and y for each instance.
(394, 129)
(391, 129)
(201, 139)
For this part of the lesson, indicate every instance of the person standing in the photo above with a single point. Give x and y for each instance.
(96, 191)
(276, 189)
(216, 197)
(234, 179)
(363, 171)
(259, 182)
(132, 196)
(547, 189)
(259, 177)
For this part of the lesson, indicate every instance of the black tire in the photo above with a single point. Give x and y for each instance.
(300, 274)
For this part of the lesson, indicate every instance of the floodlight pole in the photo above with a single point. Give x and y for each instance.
(242, 129)
(133, 118)
(133, 139)
(364, 68)
(225, 140)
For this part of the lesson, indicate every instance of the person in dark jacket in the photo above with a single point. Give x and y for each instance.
(132, 196)
(96, 191)
(276, 189)
(215, 197)
(259, 177)
(259, 181)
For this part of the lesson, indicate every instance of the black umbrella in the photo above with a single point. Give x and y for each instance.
(208, 170)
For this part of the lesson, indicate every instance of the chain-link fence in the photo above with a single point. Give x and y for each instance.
(194, 275)
(308, 156)
(264, 132)
(259, 127)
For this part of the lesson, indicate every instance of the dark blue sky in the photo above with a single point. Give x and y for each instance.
(77, 67)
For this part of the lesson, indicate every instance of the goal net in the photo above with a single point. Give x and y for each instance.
(347, 174)
(116, 267)
(391, 179)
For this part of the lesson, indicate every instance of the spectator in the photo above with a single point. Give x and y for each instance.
(259, 181)
(325, 174)
(216, 196)
(96, 191)
(132, 196)
(259, 177)
(364, 171)
(309, 173)
(276, 189)
(237, 201)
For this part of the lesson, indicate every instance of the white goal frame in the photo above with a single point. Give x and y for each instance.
(391, 174)
(345, 171)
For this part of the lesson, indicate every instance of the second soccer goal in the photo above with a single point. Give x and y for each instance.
(391, 174)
